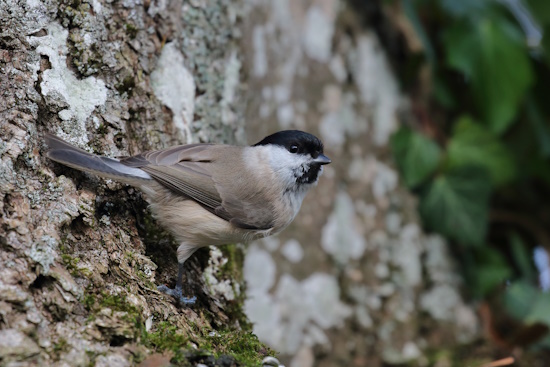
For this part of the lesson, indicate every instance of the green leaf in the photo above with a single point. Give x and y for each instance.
(416, 155)
(491, 270)
(489, 277)
(492, 55)
(456, 204)
(527, 303)
(519, 299)
(540, 313)
(472, 144)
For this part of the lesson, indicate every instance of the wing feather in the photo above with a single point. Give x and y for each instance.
(189, 171)
(195, 186)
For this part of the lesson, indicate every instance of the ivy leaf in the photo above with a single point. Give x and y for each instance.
(416, 155)
(472, 144)
(519, 299)
(527, 303)
(492, 270)
(540, 309)
(456, 204)
(492, 55)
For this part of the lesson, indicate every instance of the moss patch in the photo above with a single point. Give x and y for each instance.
(215, 348)
(225, 347)
(131, 30)
(242, 345)
(126, 86)
(233, 269)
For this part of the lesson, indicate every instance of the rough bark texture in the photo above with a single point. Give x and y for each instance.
(80, 256)
(354, 281)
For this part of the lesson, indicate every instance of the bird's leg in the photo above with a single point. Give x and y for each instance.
(184, 252)
(177, 292)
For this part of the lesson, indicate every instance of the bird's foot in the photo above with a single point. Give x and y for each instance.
(177, 294)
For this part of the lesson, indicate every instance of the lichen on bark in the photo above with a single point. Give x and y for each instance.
(80, 256)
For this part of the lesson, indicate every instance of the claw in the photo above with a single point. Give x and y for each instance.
(177, 294)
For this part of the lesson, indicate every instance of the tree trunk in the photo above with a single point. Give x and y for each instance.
(354, 281)
(81, 256)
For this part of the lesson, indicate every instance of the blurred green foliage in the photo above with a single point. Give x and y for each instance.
(417, 156)
(488, 151)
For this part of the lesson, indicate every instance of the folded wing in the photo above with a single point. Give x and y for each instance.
(190, 170)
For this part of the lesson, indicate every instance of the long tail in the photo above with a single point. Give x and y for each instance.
(64, 153)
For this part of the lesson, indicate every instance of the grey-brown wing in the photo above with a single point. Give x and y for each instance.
(182, 169)
(247, 212)
(188, 171)
(189, 182)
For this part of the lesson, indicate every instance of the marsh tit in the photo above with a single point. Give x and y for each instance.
(210, 194)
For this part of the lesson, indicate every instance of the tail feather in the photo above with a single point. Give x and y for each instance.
(68, 155)
(54, 142)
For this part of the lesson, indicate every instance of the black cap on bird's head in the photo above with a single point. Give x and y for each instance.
(298, 142)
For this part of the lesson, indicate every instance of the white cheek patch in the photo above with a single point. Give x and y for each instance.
(286, 166)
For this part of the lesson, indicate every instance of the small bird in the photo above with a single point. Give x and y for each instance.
(213, 194)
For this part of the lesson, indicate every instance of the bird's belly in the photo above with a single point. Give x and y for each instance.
(189, 222)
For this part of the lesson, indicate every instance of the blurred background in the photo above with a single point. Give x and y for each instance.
(426, 241)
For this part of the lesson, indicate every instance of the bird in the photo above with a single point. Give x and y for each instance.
(212, 194)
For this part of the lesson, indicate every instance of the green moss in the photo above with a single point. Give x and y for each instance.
(96, 302)
(92, 356)
(88, 59)
(131, 30)
(60, 347)
(126, 86)
(102, 130)
(71, 263)
(244, 346)
(232, 269)
(235, 256)
(165, 337)
(88, 300)
(145, 279)
(72, 14)
(230, 342)
(118, 303)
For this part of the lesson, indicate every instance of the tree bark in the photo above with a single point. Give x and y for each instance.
(81, 256)
(354, 281)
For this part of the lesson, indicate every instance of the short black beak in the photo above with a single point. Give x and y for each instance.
(322, 159)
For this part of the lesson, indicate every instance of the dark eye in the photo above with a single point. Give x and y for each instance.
(293, 149)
